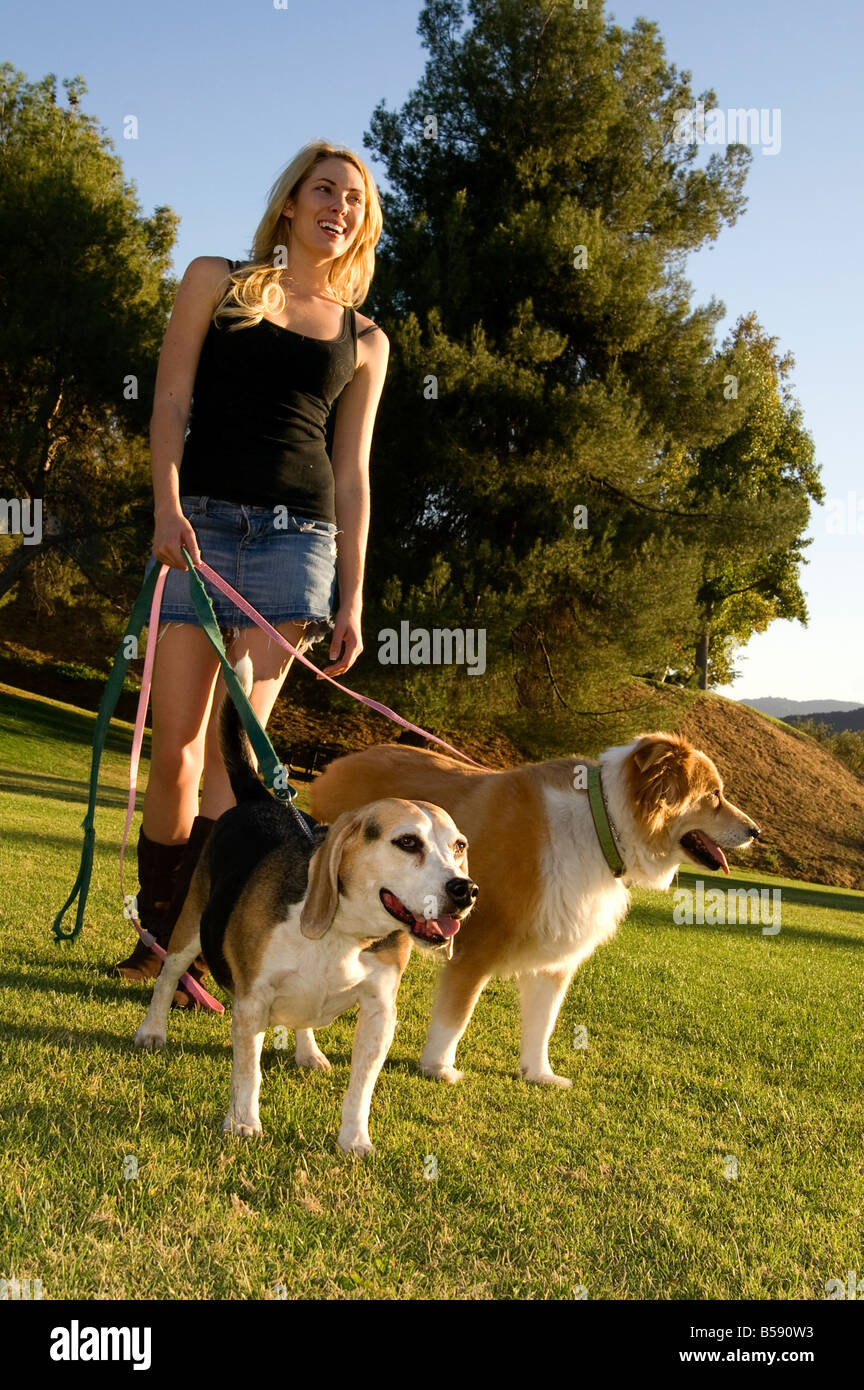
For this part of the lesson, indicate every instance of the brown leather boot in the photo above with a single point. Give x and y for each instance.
(158, 870)
(198, 837)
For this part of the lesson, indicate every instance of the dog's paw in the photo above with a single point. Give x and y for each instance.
(242, 1130)
(545, 1078)
(353, 1143)
(150, 1038)
(312, 1061)
(439, 1071)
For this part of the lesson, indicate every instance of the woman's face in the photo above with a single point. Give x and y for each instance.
(329, 208)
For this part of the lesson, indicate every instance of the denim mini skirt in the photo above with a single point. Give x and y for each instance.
(285, 566)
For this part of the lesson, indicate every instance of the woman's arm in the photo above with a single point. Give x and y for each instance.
(352, 441)
(200, 291)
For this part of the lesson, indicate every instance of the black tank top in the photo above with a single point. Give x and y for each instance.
(260, 405)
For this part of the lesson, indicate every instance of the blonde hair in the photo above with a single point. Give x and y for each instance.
(257, 286)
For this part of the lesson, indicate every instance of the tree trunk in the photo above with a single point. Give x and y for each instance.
(702, 659)
(15, 568)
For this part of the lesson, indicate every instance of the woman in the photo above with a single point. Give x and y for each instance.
(258, 353)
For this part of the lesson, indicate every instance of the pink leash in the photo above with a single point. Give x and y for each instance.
(129, 901)
(252, 613)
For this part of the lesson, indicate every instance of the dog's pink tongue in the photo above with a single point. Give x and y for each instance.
(715, 849)
(448, 926)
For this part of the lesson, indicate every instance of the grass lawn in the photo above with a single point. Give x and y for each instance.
(704, 1044)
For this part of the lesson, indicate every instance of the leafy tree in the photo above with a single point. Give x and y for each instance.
(545, 353)
(84, 296)
(754, 488)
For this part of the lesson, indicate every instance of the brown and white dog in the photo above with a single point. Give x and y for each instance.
(298, 930)
(549, 895)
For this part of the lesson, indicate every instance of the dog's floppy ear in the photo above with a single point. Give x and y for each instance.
(322, 896)
(660, 776)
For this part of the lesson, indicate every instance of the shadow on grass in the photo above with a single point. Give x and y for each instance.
(650, 916)
(42, 844)
(89, 1039)
(85, 979)
(56, 788)
(37, 719)
(835, 899)
(88, 982)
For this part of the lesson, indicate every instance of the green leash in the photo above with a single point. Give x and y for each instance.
(272, 771)
(125, 652)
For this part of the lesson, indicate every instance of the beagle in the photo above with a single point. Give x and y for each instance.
(299, 929)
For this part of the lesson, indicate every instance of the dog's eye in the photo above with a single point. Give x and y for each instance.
(716, 796)
(410, 843)
(461, 846)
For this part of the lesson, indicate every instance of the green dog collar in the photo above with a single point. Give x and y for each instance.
(600, 818)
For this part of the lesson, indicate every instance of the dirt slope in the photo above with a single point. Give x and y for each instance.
(809, 806)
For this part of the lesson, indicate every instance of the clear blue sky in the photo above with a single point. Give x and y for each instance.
(225, 93)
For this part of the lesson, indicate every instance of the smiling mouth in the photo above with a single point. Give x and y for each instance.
(331, 232)
(437, 931)
(704, 850)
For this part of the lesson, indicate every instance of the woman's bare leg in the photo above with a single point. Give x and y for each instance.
(184, 674)
(270, 666)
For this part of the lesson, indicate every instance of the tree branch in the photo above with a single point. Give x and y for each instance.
(549, 670)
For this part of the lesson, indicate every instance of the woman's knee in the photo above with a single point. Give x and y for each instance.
(176, 763)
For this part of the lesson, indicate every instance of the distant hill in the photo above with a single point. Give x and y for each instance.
(773, 704)
(836, 720)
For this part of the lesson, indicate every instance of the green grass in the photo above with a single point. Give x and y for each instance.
(703, 1042)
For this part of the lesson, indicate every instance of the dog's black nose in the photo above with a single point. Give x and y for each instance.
(755, 831)
(462, 891)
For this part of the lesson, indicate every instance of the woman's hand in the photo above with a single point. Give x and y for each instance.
(172, 531)
(346, 629)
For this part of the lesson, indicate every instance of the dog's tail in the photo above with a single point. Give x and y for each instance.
(236, 752)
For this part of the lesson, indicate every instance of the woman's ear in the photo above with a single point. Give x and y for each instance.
(322, 895)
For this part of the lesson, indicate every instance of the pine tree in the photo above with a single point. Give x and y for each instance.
(551, 386)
